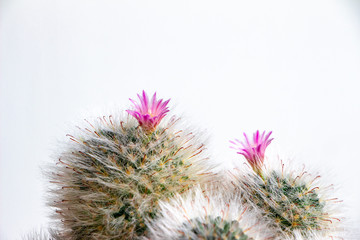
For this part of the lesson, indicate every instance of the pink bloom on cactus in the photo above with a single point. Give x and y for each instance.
(254, 151)
(149, 113)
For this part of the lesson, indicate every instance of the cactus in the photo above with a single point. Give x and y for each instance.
(207, 215)
(291, 202)
(112, 175)
(294, 203)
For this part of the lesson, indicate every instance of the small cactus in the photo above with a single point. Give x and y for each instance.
(112, 175)
(294, 202)
(198, 215)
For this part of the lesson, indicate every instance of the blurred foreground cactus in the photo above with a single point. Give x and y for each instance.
(112, 175)
(207, 215)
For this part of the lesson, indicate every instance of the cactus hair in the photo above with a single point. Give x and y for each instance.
(112, 173)
(42, 234)
(203, 214)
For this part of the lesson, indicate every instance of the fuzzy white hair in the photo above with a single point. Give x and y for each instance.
(42, 234)
(200, 205)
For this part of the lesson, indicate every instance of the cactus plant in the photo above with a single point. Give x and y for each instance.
(111, 176)
(294, 202)
(207, 215)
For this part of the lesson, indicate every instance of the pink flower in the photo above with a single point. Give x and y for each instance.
(149, 114)
(254, 151)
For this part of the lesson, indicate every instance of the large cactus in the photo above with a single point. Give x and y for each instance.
(112, 175)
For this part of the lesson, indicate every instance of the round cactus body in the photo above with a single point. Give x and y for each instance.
(112, 176)
(293, 204)
(207, 214)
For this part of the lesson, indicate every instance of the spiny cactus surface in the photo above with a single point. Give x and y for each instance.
(207, 214)
(111, 177)
(290, 203)
(295, 205)
(213, 228)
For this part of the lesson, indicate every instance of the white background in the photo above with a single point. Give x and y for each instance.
(292, 67)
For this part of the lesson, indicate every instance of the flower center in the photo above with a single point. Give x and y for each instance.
(150, 113)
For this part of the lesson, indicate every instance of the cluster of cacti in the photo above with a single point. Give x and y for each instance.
(142, 177)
